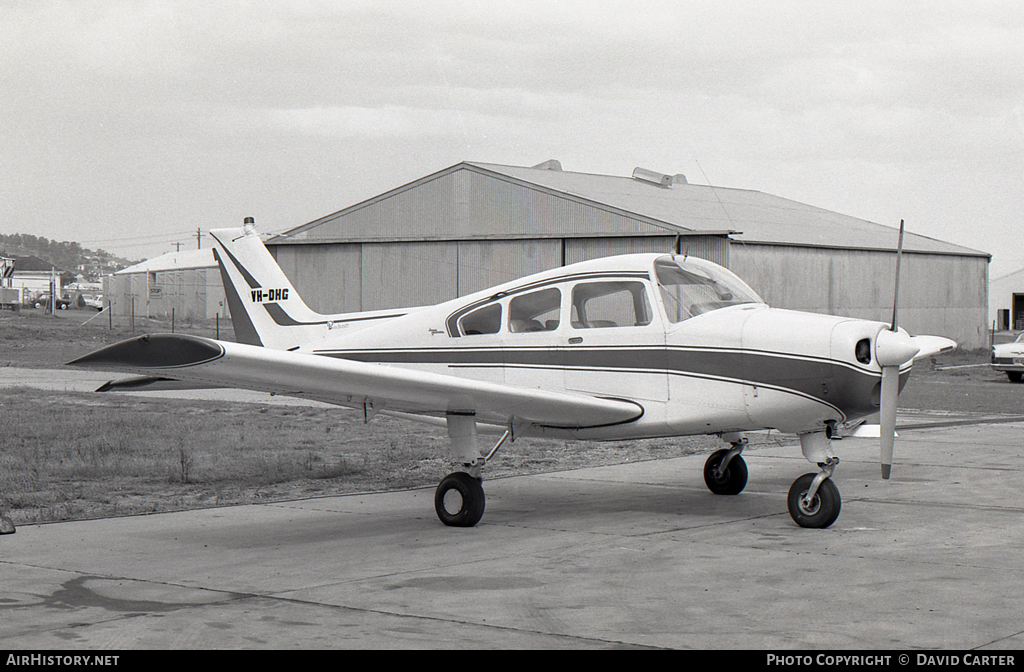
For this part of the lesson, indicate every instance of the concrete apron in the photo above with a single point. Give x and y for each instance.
(631, 555)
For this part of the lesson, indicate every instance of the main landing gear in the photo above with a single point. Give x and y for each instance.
(813, 499)
(725, 472)
(459, 499)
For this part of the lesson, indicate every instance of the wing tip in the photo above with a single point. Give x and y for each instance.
(156, 351)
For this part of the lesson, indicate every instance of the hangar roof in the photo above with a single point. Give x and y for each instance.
(174, 261)
(669, 202)
(753, 216)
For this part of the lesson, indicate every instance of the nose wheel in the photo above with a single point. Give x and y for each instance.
(814, 499)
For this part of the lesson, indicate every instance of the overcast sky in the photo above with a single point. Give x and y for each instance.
(128, 125)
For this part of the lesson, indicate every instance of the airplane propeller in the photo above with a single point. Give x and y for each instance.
(893, 348)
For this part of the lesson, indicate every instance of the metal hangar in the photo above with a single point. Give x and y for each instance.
(473, 225)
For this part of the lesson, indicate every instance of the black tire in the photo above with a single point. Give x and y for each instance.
(732, 481)
(1014, 376)
(459, 500)
(823, 509)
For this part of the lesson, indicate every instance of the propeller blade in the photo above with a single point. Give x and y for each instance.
(892, 348)
(887, 416)
(896, 291)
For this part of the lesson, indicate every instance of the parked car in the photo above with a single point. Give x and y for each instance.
(1009, 358)
(43, 300)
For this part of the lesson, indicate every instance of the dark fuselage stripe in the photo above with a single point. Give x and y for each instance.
(283, 319)
(834, 383)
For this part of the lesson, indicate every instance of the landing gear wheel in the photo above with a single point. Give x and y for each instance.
(459, 500)
(732, 480)
(1014, 376)
(822, 510)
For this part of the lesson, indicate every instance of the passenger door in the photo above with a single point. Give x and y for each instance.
(614, 345)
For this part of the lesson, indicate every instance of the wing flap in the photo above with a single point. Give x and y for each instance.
(204, 361)
(151, 384)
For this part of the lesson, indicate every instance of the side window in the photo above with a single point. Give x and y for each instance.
(486, 320)
(597, 305)
(537, 311)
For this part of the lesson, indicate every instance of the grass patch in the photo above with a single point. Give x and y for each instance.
(33, 339)
(67, 456)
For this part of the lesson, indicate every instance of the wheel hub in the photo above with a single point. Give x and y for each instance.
(452, 501)
(809, 506)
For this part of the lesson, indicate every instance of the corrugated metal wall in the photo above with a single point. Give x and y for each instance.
(328, 277)
(942, 295)
(712, 248)
(194, 294)
(484, 263)
(455, 234)
(349, 277)
(464, 230)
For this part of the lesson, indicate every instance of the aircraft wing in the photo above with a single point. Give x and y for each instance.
(202, 362)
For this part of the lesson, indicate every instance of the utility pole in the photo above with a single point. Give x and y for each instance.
(199, 238)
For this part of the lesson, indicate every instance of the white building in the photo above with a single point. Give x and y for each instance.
(187, 282)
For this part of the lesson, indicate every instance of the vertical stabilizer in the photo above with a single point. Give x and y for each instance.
(265, 308)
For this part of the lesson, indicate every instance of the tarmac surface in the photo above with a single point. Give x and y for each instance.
(635, 555)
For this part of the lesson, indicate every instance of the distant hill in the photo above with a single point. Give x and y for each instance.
(65, 255)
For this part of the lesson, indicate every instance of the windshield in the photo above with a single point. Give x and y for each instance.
(691, 286)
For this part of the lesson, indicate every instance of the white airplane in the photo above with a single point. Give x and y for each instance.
(626, 347)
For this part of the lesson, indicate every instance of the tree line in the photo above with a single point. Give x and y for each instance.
(64, 255)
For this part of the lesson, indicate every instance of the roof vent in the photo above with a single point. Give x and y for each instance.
(550, 164)
(652, 177)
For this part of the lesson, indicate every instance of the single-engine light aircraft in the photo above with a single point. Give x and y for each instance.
(625, 347)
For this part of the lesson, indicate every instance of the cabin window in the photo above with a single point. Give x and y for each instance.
(486, 320)
(536, 311)
(597, 305)
(691, 287)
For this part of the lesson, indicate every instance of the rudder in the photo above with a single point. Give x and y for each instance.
(265, 308)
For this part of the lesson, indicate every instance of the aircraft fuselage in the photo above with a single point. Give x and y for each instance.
(737, 367)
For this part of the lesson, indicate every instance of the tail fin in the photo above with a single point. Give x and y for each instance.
(265, 308)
